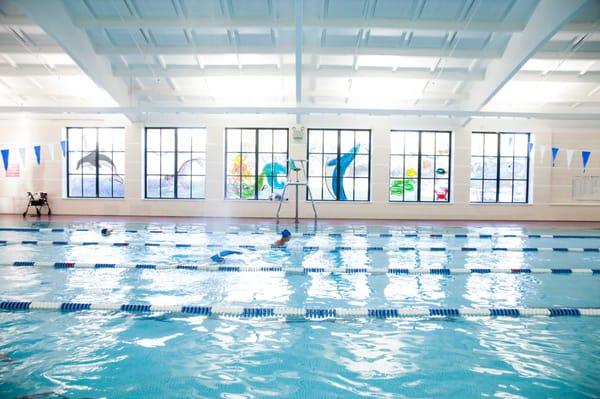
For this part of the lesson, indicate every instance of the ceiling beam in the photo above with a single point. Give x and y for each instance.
(547, 19)
(571, 55)
(16, 20)
(581, 27)
(35, 70)
(444, 113)
(49, 92)
(559, 76)
(188, 92)
(316, 50)
(193, 71)
(53, 18)
(28, 49)
(290, 23)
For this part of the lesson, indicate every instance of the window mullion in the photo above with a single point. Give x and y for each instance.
(175, 193)
(498, 168)
(256, 163)
(419, 181)
(338, 164)
(97, 164)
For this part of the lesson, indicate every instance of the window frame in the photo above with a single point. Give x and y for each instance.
(176, 152)
(97, 174)
(498, 167)
(338, 153)
(419, 163)
(256, 153)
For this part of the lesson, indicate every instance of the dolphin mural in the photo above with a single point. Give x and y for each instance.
(184, 169)
(337, 181)
(93, 158)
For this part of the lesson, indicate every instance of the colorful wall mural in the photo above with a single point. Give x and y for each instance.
(256, 163)
(339, 164)
(419, 166)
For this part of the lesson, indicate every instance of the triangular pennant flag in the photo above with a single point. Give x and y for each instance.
(5, 154)
(569, 157)
(51, 151)
(554, 154)
(37, 149)
(63, 147)
(569, 154)
(585, 158)
(23, 155)
(542, 152)
(529, 148)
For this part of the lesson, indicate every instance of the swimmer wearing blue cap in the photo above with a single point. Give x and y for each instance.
(106, 231)
(220, 257)
(285, 237)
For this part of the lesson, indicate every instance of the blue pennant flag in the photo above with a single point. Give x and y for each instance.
(554, 154)
(5, 159)
(63, 147)
(38, 153)
(585, 158)
(529, 147)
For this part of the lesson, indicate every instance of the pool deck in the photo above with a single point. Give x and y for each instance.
(18, 219)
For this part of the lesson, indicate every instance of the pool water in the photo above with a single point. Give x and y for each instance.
(96, 354)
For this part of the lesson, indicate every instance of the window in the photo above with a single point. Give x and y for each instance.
(420, 166)
(256, 163)
(499, 167)
(339, 164)
(175, 163)
(95, 162)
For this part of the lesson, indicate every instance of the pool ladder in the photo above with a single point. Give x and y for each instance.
(298, 166)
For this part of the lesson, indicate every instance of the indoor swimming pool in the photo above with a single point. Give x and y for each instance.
(340, 311)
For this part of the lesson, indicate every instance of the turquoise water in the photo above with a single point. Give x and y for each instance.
(116, 355)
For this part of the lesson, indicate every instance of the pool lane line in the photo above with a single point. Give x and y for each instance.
(277, 312)
(411, 234)
(208, 267)
(303, 248)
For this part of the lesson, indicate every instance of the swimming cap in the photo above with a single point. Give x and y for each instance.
(286, 233)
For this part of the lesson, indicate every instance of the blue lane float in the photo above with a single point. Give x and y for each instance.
(261, 312)
(412, 234)
(299, 247)
(211, 267)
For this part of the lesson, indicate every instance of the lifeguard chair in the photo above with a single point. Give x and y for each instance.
(297, 166)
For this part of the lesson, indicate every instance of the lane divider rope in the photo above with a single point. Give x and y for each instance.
(300, 270)
(303, 248)
(299, 313)
(411, 234)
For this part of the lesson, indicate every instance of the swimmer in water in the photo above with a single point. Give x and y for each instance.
(220, 257)
(285, 237)
(106, 231)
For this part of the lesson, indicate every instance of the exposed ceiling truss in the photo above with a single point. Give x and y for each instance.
(452, 58)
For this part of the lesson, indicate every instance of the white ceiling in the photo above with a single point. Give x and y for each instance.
(448, 55)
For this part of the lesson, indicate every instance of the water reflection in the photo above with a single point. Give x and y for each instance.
(497, 290)
(380, 350)
(418, 288)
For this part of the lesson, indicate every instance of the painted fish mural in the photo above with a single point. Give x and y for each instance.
(336, 186)
(267, 179)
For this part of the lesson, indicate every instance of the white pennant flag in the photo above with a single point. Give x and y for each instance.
(542, 153)
(570, 157)
(51, 150)
(22, 155)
